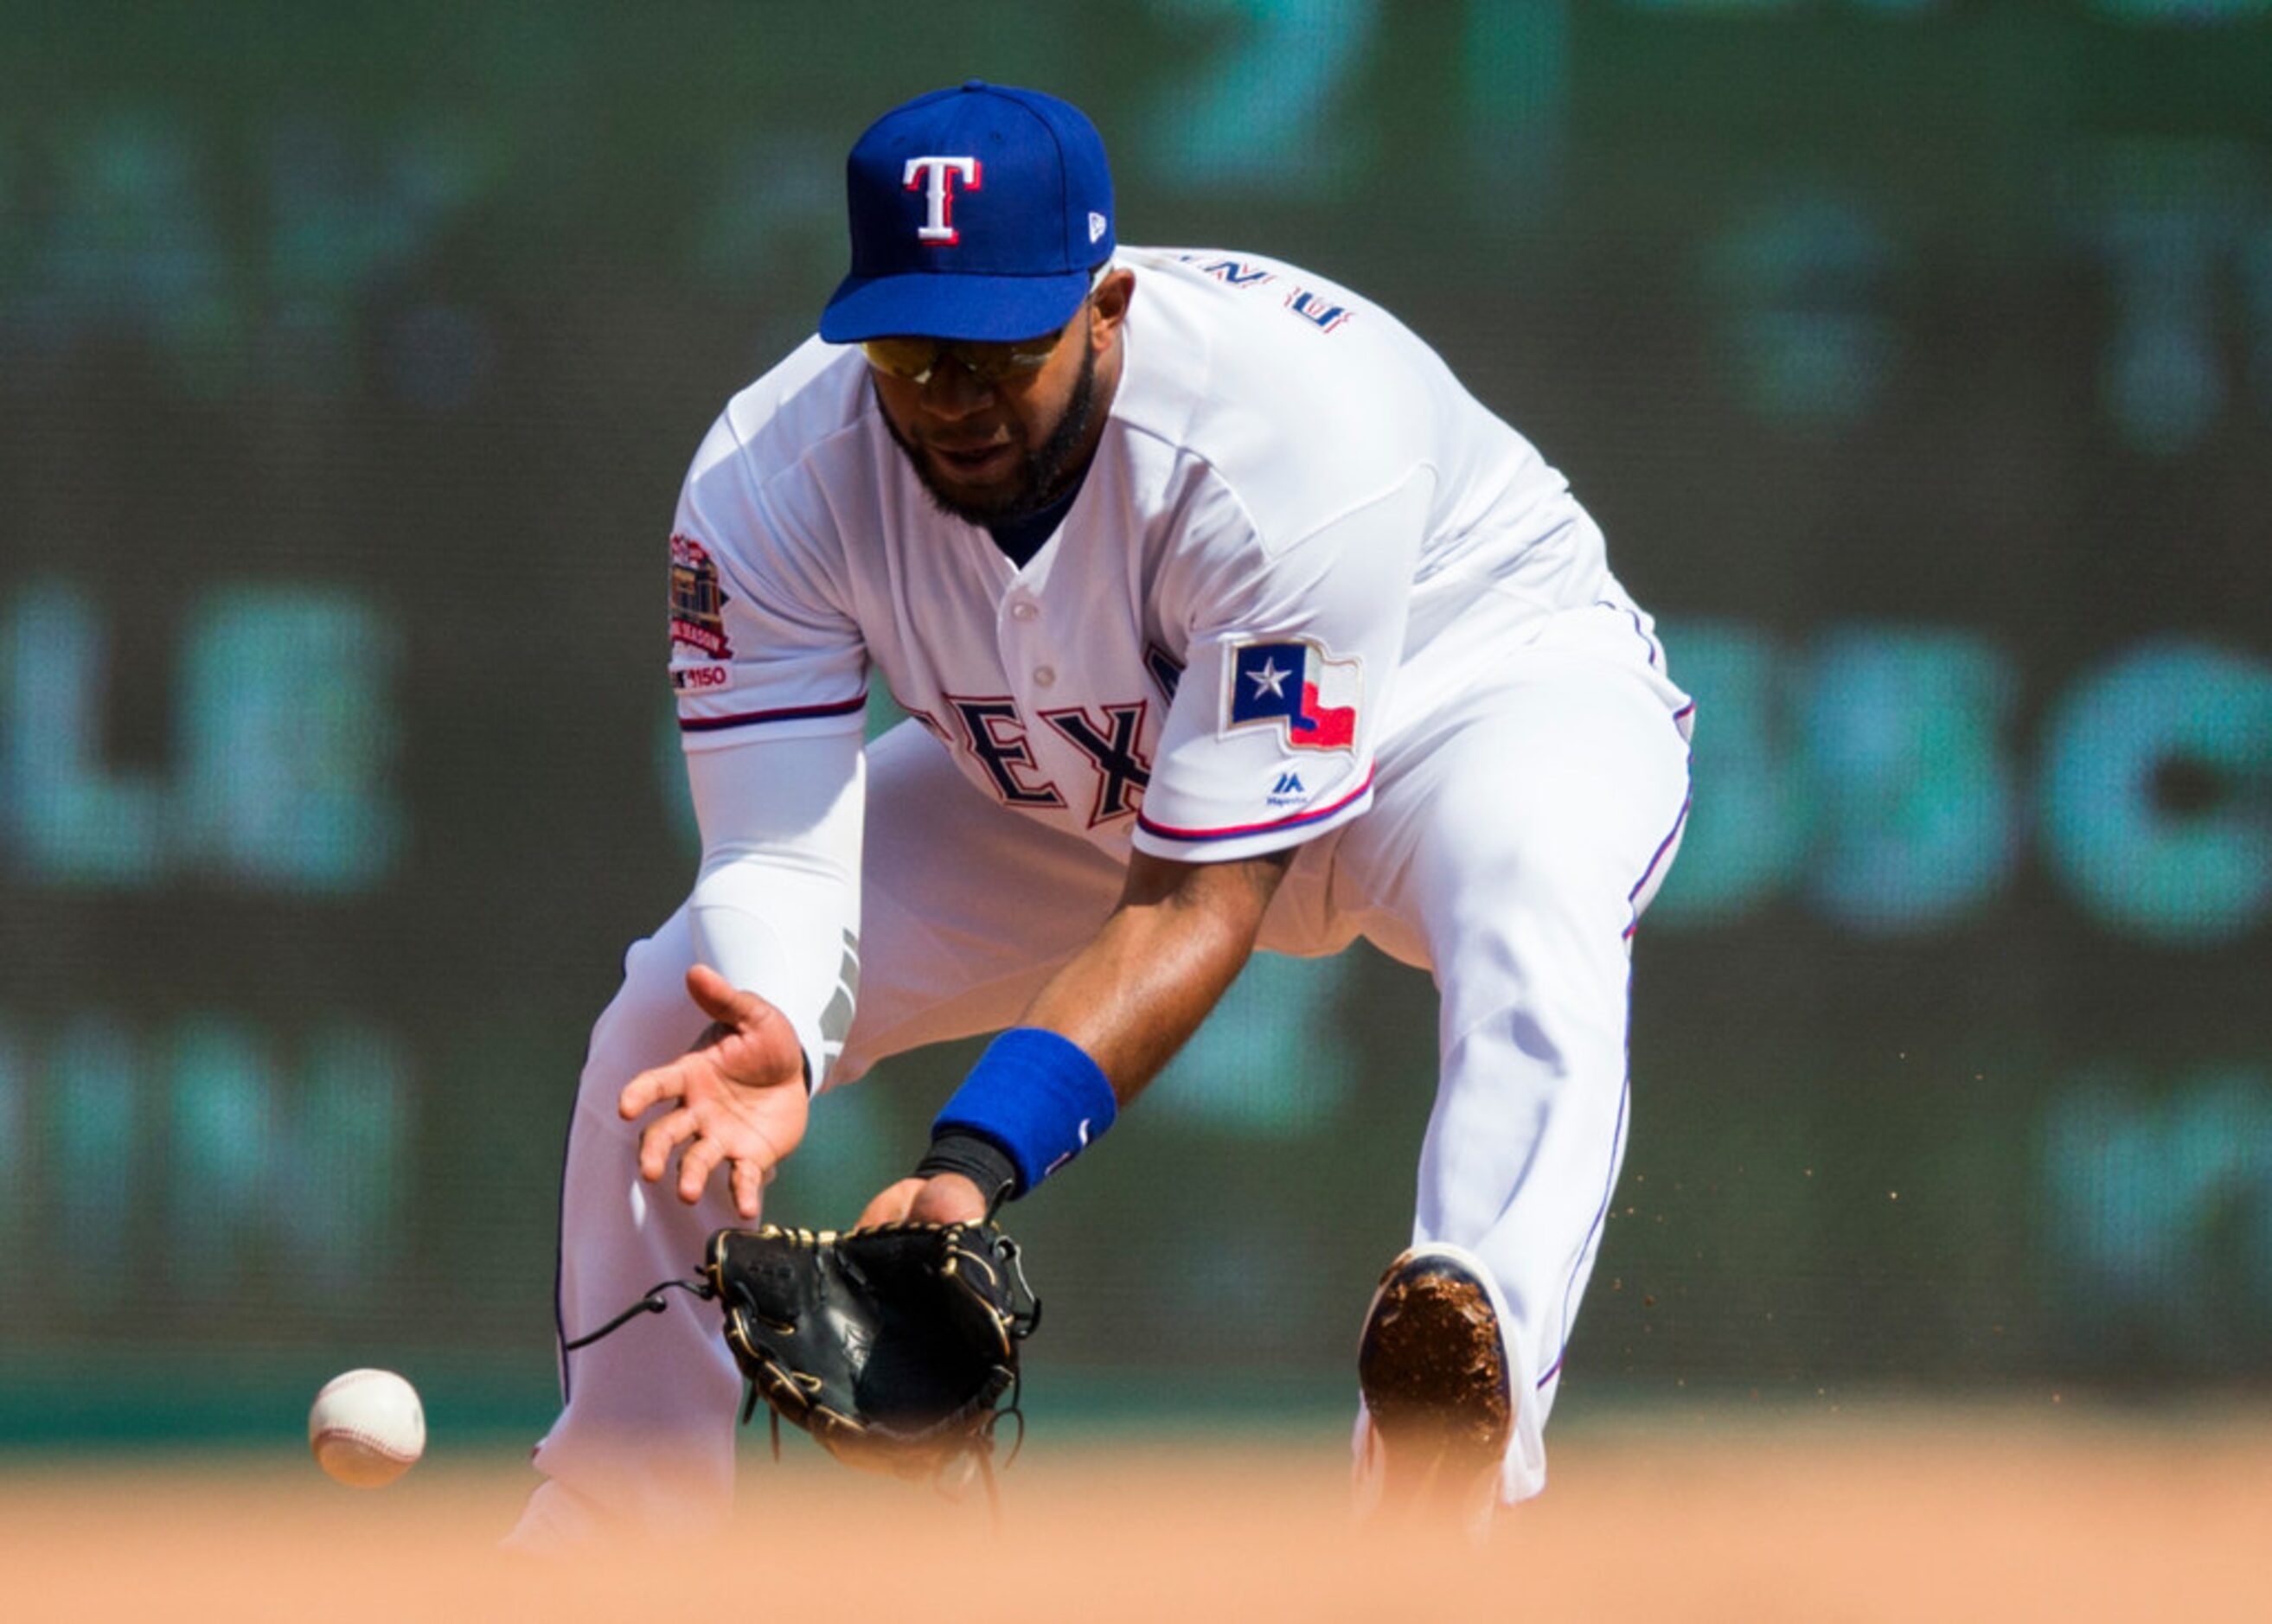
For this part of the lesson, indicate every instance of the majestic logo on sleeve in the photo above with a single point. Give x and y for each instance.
(1296, 686)
(935, 178)
(698, 605)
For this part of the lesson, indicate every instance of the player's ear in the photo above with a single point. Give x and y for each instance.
(1111, 302)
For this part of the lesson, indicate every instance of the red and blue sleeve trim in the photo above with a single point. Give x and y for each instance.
(794, 713)
(1297, 821)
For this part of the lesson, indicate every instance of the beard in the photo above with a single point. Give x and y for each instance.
(1042, 472)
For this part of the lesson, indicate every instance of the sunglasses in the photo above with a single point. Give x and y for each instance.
(992, 362)
(989, 361)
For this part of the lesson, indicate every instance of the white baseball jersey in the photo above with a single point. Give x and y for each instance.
(1292, 495)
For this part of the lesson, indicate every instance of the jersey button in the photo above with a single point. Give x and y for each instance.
(1044, 676)
(1025, 609)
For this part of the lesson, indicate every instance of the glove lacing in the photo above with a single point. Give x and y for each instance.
(652, 1303)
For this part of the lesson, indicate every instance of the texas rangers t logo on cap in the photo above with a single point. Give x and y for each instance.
(939, 189)
(1295, 684)
(980, 212)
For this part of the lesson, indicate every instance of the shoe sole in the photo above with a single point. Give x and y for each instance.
(1434, 1376)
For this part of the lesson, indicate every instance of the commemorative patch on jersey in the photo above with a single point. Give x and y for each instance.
(1294, 685)
(697, 604)
(700, 679)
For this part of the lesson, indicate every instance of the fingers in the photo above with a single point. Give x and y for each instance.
(892, 1206)
(722, 1001)
(749, 1183)
(650, 1089)
(702, 1153)
(707, 989)
(695, 1167)
(661, 1138)
(878, 1212)
(768, 1053)
(948, 1198)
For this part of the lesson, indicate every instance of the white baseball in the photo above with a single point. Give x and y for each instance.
(366, 1428)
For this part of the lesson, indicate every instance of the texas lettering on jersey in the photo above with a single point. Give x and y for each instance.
(993, 730)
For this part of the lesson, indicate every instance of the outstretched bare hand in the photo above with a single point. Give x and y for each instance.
(740, 1100)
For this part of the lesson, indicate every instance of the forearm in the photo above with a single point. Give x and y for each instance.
(1094, 1035)
(1179, 938)
(767, 930)
(775, 908)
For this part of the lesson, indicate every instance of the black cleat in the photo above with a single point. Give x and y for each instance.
(1434, 1373)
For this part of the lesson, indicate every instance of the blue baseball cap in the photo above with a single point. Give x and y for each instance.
(976, 213)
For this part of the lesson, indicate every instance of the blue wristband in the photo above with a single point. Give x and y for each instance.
(1037, 1095)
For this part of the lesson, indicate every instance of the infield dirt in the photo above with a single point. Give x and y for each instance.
(1989, 1514)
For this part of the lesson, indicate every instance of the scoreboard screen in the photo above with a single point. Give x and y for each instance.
(1915, 355)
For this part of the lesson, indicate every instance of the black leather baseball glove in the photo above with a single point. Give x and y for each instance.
(894, 1346)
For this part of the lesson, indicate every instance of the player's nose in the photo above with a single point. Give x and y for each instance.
(954, 391)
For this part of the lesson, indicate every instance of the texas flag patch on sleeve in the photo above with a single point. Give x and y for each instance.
(1293, 684)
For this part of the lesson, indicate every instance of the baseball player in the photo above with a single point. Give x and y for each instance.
(1226, 619)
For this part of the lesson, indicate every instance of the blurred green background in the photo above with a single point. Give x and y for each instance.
(1916, 355)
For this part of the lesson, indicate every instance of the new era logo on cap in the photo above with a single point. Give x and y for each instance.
(976, 213)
